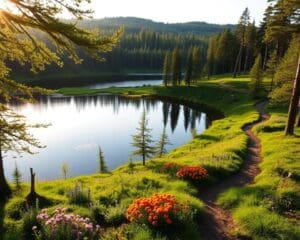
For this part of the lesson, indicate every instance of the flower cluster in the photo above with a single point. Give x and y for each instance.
(65, 226)
(192, 172)
(157, 210)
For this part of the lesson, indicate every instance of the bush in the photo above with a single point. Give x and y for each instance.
(79, 196)
(97, 215)
(115, 216)
(63, 226)
(15, 208)
(148, 183)
(192, 172)
(160, 210)
(170, 168)
(29, 219)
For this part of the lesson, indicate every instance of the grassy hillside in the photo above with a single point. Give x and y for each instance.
(220, 150)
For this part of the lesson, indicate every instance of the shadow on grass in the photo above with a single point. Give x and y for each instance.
(209, 138)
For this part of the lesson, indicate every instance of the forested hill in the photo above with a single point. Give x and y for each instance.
(134, 25)
(142, 48)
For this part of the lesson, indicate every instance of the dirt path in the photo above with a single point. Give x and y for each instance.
(218, 223)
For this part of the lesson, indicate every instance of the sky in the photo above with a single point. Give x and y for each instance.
(171, 11)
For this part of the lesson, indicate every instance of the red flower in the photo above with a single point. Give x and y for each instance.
(192, 172)
(156, 210)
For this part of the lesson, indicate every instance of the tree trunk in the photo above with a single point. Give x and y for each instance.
(298, 123)
(32, 182)
(5, 190)
(240, 61)
(237, 62)
(292, 114)
(246, 60)
(265, 57)
(33, 198)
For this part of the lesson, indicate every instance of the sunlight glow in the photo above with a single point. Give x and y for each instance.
(212, 11)
(8, 6)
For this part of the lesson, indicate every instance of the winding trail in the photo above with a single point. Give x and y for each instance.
(218, 223)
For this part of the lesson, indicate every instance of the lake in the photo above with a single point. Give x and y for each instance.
(128, 83)
(80, 124)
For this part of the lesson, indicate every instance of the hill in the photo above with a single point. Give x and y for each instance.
(134, 25)
(141, 49)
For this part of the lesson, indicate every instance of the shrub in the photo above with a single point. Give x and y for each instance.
(15, 208)
(192, 172)
(65, 226)
(170, 168)
(29, 219)
(97, 215)
(147, 183)
(79, 196)
(130, 165)
(17, 177)
(160, 210)
(115, 215)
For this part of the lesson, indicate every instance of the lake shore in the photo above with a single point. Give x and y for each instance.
(220, 149)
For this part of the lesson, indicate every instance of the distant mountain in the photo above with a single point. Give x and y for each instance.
(133, 25)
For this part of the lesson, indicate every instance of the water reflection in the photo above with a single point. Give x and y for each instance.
(81, 124)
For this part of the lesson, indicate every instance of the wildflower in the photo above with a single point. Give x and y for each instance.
(192, 172)
(66, 226)
(156, 210)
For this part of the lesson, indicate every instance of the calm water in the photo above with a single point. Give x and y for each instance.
(129, 83)
(80, 124)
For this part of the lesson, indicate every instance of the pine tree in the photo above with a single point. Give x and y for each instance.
(285, 72)
(189, 68)
(17, 177)
(225, 52)
(142, 140)
(161, 144)
(295, 99)
(102, 164)
(256, 75)
(282, 23)
(241, 35)
(16, 30)
(265, 45)
(211, 55)
(176, 67)
(25, 48)
(196, 60)
(15, 137)
(167, 69)
(271, 68)
(250, 42)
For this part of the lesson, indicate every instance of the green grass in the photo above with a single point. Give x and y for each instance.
(269, 209)
(220, 149)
